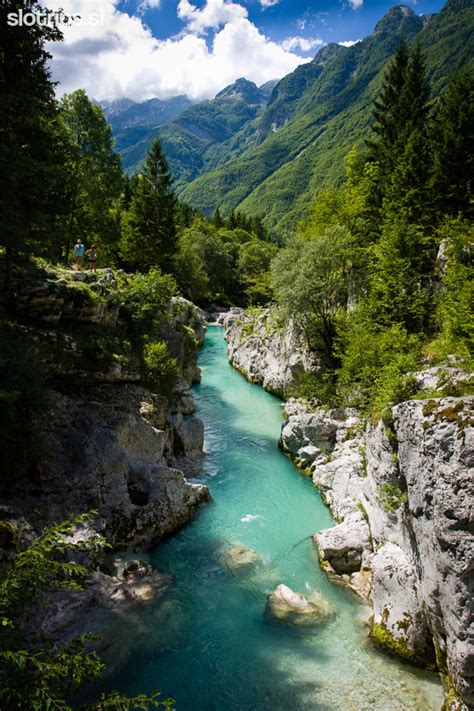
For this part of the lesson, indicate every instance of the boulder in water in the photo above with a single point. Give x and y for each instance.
(292, 607)
(143, 582)
(241, 558)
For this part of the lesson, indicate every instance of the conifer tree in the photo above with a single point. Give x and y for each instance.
(149, 234)
(387, 109)
(27, 111)
(453, 142)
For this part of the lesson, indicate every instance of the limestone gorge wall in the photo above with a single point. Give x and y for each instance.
(401, 492)
(265, 351)
(108, 442)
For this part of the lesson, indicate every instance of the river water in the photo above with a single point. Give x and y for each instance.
(209, 644)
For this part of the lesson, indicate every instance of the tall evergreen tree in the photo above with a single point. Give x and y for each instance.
(453, 144)
(149, 234)
(386, 113)
(27, 111)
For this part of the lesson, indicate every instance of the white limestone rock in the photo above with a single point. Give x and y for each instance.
(398, 623)
(344, 545)
(265, 352)
(294, 608)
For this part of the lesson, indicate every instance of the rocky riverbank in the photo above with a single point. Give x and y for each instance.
(265, 351)
(109, 441)
(399, 490)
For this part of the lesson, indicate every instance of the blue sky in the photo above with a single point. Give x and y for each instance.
(333, 20)
(141, 49)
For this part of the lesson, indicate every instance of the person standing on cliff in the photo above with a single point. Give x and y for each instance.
(79, 250)
(91, 254)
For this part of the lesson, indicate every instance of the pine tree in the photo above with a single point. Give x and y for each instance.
(149, 235)
(453, 142)
(217, 219)
(27, 112)
(387, 113)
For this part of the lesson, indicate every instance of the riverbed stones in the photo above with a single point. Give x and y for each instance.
(241, 558)
(286, 605)
(144, 583)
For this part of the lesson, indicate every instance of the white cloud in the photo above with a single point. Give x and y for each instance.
(356, 4)
(214, 14)
(268, 3)
(121, 58)
(349, 43)
(306, 44)
(145, 5)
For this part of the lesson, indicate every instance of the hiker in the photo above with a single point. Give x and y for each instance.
(91, 254)
(79, 250)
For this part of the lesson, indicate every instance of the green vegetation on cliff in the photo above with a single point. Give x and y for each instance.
(379, 279)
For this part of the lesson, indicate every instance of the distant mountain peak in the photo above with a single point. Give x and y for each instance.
(395, 19)
(327, 51)
(242, 89)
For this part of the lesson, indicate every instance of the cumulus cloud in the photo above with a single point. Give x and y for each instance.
(214, 14)
(356, 4)
(306, 44)
(119, 57)
(268, 3)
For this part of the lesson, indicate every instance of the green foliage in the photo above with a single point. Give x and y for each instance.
(401, 265)
(93, 177)
(392, 497)
(147, 297)
(376, 363)
(38, 672)
(254, 266)
(349, 205)
(23, 400)
(454, 317)
(161, 371)
(311, 279)
(453, 138)
(317, 386)
(28, 115)
(226, 263)
(149, 228)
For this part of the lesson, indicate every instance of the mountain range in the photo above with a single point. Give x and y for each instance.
(267, 150)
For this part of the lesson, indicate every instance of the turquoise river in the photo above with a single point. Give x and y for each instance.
(208, 643)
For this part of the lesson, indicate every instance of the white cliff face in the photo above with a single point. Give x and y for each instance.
(264, 352)
(402, 494)
(436, 455)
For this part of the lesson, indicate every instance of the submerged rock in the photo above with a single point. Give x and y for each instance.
(294, 608)
(144, 582)
(241, 558)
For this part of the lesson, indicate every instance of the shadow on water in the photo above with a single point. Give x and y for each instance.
(208, 642)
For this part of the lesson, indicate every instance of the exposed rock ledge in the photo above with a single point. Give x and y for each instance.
(265, 353)
(402, 494)
(109, 444)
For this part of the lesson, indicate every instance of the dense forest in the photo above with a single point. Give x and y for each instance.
(377, 281)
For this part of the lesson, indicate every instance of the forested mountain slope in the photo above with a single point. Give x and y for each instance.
(196, 138)
(304, 136)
